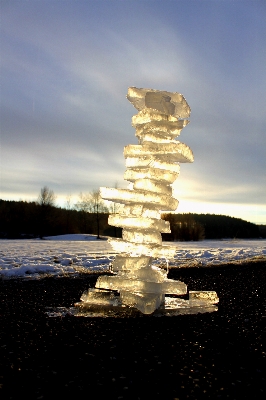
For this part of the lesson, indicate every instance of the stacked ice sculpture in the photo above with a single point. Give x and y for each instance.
(152, 167)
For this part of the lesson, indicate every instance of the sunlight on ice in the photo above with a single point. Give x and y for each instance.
(152, 166)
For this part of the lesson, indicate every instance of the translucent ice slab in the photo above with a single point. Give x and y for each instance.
(146, 115)
(174, 306)
(149, 274)
(99, 297)
(126, 263)
(169, 102)
(139, 210)
(170, 286)
(179, 152)
(172, 128)
(150, 173)
(152, 138)
(146, 249)
(166, 165)
(134, 285)
(139, 222)
(146, 303)
(152, 186)
(125, 196)
(203, 297)
(152, 162)
(142, 236)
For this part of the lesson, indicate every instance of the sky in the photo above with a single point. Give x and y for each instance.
(66, 66)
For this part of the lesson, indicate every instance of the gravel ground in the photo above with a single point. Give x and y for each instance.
(206, 356)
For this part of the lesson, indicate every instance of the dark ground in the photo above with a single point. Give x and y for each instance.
(206, 356)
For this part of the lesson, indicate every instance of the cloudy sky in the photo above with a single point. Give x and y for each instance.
(66, 66)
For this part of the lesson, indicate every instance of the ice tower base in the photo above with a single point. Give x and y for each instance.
(104, 303)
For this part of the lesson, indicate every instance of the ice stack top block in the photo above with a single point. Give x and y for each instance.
(152, 167)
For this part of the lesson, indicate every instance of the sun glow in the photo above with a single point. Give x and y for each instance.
(249, 212)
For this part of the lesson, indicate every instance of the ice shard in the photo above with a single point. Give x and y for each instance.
(152, 166)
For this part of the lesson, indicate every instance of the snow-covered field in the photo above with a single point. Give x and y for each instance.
(71, 254)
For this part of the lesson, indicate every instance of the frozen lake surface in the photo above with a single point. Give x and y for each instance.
(71, 254)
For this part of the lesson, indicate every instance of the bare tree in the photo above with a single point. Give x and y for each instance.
(97, 203)
(98, 208)
(68, 202)
(114, 208)
(68, 206)
(92, 203)
(83, 207)
(46, 201)
(46, 197)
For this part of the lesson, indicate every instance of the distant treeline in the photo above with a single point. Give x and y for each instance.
(21, 219)
(186, 227)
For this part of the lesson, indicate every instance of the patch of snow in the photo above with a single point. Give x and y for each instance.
(58, 257)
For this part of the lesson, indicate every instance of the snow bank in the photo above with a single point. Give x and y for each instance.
(72, 254)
